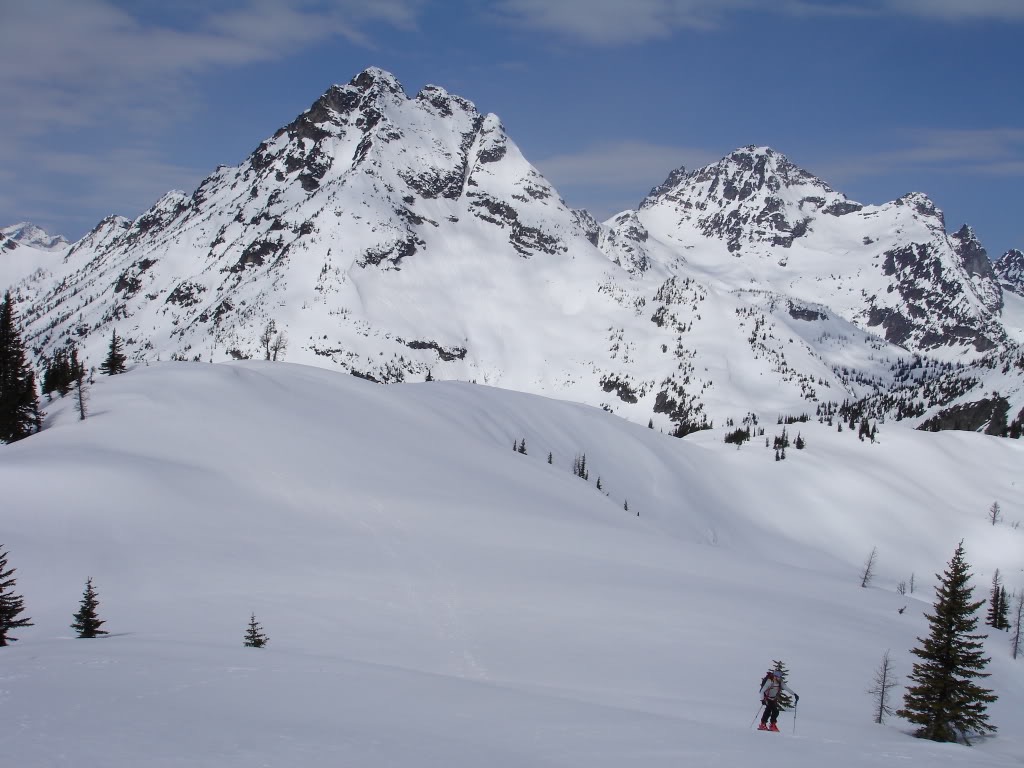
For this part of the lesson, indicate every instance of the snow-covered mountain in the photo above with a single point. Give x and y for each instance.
(25, 248)
(1009, 270)
(30, 235)
(408, 238)
(434, 598)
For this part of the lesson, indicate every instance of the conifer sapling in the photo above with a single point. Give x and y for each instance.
(254, 636)
(11, 605)
(87, 622)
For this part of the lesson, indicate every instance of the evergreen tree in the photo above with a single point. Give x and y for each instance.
(1003, 619)
(550, 458)
(87, 623)
(996, 610)
(944, 701)
(19, 404)
(115, 360)
(11, 605)
(579, 467)
(254, 637)
(522, 445)
(784, 699)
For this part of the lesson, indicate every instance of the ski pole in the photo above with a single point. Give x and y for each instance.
(756, 715)
(794, 719)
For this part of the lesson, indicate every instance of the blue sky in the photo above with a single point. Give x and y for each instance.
(107, 104)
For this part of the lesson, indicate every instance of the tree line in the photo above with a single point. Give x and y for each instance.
(20, 411)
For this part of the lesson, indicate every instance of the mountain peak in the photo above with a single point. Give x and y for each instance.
(27, 233)
(753, 196)
(921, 203)
(377, 79)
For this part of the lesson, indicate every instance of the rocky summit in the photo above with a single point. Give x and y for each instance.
(407, 238)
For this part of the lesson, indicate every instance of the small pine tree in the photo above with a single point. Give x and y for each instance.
(550, 458)
(650, 423)
(87, 623)
(115, 360)
(785, 700)
(11, 605)
(625, 505)
(579, 467)
(1003, 619)
(254, 637)
(522, 445)
(944, 701)
(599, 483)
(995, 611)
(800, 442)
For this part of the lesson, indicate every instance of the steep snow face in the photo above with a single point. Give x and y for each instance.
(890, 269)
(753, 201)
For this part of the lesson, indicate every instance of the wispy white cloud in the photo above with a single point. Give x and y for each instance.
(620, 22)
(977, 152)
(620, 163)
(71, 66)
(959, 10)
(609, 177)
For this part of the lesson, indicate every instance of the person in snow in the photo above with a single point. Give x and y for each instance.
(771, 690)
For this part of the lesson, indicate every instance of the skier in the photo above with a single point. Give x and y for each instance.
(771, 688)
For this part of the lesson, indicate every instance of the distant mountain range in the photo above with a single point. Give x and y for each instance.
(404, 239)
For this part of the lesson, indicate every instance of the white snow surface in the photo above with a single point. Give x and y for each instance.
(433, 598)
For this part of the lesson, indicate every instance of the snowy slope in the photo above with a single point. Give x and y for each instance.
(434, 598)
